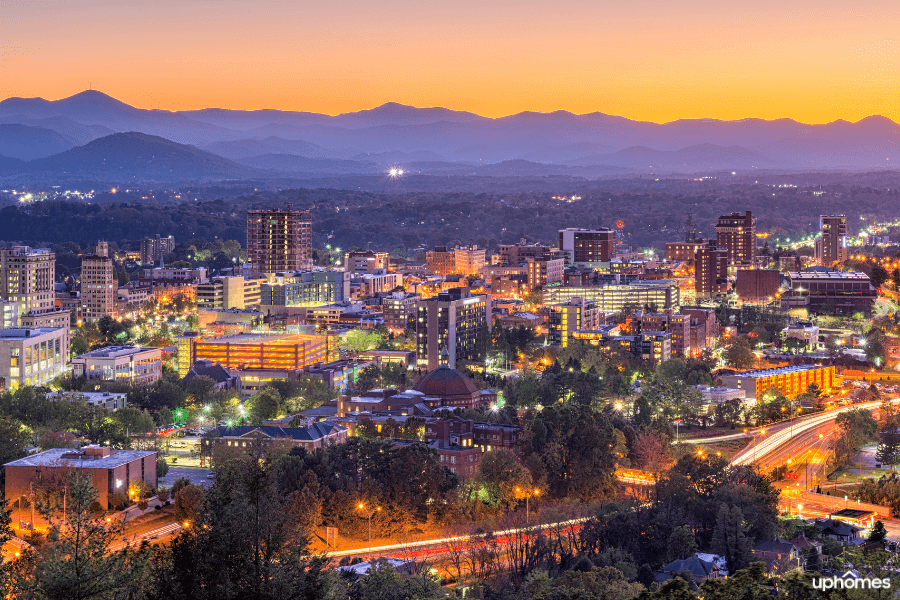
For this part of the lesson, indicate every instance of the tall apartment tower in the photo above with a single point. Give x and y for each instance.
(710, 271)
(831, 245)
(26, 278)
(98, 285)
(736, 233)
(279, 240)
(452, 320)
(588, 245)
(152, 249)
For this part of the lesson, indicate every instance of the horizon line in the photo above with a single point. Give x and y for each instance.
(524, 112)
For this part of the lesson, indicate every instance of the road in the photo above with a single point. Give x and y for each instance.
(196, 475)
(154, 534)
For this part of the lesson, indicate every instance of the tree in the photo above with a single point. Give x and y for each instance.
(682, 543)
(79, 563)
(879, 533)
(652, 453)
(499, 474)
(187, 499)
(13, 440)
(360, 340)
(264, 404)
(739, 354)
(730, 540)
(888, 451)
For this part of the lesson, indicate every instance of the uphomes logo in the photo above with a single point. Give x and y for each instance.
(851, 583)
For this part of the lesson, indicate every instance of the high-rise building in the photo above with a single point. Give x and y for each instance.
(588, 245)
(229, 292)
(831, 245)
(468, 260)
(736, 233)
(398, 310)
(279, 240)
(452, 321)
(153, 249)
(365, 261)
(710, 271)
(516, 254)
(568, 317)
(440, 261)
(98, 285)
(26, 278)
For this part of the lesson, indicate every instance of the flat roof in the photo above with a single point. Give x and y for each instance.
(264, 338)
(778, 371)
(25, 332)
(54, 458)
(827, 275)
(117, 351)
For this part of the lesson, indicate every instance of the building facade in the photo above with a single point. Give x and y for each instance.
(99, 287)
(586, 246)
(616, 297)
(261, 351)
(32, 356)
(26, 278)
(831, 244)
(829, 292)
(399, 310)
(710, 271)
(452, 322)
(154, 248)
(119, 363)
(758, 285)
(279, 240)
(736, 233)
(229, 292)
(789, 381)
(306, 289)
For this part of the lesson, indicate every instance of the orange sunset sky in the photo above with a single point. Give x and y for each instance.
(643, 59)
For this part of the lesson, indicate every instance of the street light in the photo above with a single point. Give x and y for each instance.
(528, 496)
(369, 514)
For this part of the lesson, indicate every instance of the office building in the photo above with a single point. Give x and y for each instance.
(450, 324)
(683, 251)
(367, 261)
(119, 363)
(822, 291)
(107, 400)
(568, 317)
(249, 438)
(440, 261)
(677, 325)
(831, 244)
(789, 381)
(229, 292)
(113, 473)
(736, 233)
(9, 314)
(658, 295)
(379, 282)
(710, 271)
(543, 271)
(305, 289)
(279, 241)
(399, 310)
(26, 277)
(516, 254)
(98, 285)
(468, 260)
(32, 356)
(154, 248)
(758, 285)
(649, 346)
(588, 246)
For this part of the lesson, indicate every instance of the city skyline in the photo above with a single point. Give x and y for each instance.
(648, 63)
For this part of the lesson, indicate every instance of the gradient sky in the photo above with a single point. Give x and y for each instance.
(655, 60)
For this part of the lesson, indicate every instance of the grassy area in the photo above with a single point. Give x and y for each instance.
(726, 449)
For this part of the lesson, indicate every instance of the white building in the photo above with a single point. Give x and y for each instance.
(713, 396)
(31, 356)
(107, 400)
(115, 363)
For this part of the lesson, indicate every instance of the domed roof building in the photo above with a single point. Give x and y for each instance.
(453, 388)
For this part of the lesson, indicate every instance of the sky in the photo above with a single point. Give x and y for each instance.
(654, 60)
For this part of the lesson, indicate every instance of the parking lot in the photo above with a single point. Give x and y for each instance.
(196, 475)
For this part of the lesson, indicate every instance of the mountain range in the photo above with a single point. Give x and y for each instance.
(92, 135)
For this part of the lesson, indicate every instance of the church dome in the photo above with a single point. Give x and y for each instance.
(445, 382)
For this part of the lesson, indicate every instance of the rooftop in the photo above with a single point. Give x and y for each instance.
(25, 332)
(826, 275)
(117, 351)
(264, 338)
(54, 458)
(778, 371)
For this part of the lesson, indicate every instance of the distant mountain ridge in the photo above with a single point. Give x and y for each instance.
(35, 128)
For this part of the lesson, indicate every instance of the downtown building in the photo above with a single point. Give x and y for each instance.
(789, 381)
(710, 271)
(657, 295)
(229, 292)
(154, 248)
(279, 241)
(299, 289)
(99, 286)
(736, 233)
(450, 325)
(32, 356)
(588, 246)
(26, 280)
(831, 243)
(568, 317)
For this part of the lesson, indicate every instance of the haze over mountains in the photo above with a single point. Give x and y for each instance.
(93, 136)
